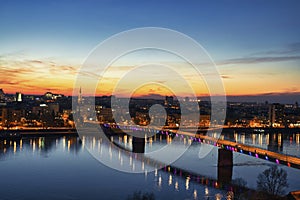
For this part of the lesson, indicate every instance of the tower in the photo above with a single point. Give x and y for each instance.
(80, 96)
(79, 104)
(19, 97)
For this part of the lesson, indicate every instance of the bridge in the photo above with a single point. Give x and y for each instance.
(138, 147)
(225, 146)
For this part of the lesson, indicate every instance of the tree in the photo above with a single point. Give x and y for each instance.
(240, 191)
(272, 181)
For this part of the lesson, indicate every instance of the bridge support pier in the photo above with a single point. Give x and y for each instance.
(225, 165)
(275, 142)
(138, 145)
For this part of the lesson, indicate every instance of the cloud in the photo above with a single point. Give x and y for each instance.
(36, 61)
(19, 66)
(289, 52)
(289, 49)
(89, 74)
(35, 75)
(225, 77)
(7, 71)
(254, 60)
(59, 69)
(10, 82)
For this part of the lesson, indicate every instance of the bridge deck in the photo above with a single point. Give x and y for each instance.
(290, 161)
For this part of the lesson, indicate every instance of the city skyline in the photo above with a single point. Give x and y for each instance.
(291, 98)
(257, 53)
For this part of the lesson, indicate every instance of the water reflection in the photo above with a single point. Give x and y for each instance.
(168, 179)
(277, 142)
(42, 145)
(196, 182)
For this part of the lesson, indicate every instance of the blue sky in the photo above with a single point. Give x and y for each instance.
(228, 29)
(235, 33)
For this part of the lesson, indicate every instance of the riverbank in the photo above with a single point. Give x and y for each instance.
(38, 132)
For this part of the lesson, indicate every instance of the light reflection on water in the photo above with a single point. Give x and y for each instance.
(60, 168)
(245, 167)
(38, 166)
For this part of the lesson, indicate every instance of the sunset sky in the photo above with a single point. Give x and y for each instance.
(255, 44)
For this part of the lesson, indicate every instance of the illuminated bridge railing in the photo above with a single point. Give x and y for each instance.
(259, 153)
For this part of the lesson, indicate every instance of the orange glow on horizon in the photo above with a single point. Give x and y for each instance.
(37, 78)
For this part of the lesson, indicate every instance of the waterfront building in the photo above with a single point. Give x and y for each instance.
(276, 115)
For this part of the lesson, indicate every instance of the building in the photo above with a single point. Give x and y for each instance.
(80, 97)
(15, 115)
(105, 115)
(169, 101)
(53, 108)
(19, 97)
(2, 94)
(276, 115)
(51, 97)
(3, 115)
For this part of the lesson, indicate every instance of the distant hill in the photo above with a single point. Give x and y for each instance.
(285, 98)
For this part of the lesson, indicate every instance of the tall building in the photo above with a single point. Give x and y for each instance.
(80, 96)
(79, 105)
(2, 94)
(276, 115)
(19, 97)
